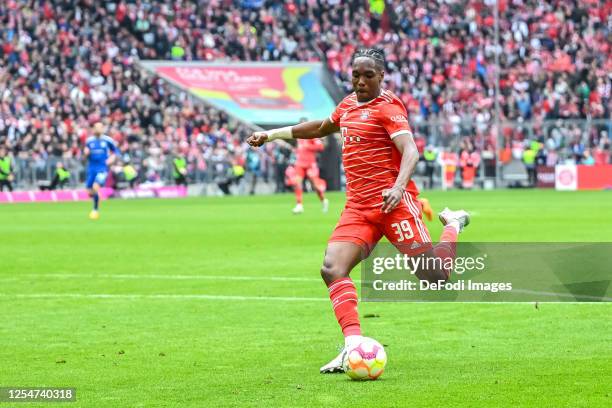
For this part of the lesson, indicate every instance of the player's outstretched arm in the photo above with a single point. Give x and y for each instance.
(314, 129)
(307, 130)
(410, 157)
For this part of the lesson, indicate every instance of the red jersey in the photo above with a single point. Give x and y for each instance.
(306, 152)
(371, 160)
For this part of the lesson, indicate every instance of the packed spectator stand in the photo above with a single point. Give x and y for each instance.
(64, 67)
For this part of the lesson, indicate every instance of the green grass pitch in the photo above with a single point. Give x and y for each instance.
(155, 305)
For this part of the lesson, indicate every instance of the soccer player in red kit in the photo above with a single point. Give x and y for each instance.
(379, 156)
(306, 167)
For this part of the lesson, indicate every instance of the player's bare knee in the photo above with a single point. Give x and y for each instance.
(330, 271)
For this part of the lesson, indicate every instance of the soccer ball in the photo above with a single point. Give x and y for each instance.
(366, 360)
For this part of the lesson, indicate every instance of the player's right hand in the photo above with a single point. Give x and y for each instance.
(257, 139)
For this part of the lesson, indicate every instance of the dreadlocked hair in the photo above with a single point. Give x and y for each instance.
(376, 54)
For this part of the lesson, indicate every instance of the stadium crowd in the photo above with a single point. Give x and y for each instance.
(62, 68)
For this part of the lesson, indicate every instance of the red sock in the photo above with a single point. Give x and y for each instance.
(343, 295)
(298, 194)
(447, 247)
(449, 234)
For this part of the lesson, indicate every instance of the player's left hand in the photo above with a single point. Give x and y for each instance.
(391, 198)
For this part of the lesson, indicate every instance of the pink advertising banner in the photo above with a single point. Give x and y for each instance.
(82, 195)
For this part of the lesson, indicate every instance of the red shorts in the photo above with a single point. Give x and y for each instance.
(311, 171)
(403, 227)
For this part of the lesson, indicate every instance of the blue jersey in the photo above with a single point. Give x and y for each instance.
(99, 151)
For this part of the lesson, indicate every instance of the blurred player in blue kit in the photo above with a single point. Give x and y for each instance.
(100, 151)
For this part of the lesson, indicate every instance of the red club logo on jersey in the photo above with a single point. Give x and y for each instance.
(365, 114)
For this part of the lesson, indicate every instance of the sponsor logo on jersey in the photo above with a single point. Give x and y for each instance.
(399, 118)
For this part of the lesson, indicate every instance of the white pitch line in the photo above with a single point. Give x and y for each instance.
(243, 298)
(166, 277)
(157, 296)
(565, 295)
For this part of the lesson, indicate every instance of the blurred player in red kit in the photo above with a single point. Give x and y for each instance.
(306, 167)
(379, 156)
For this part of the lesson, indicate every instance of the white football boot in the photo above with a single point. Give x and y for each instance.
(336, 365)
(460, 217)
(298, 209)
(325, 207)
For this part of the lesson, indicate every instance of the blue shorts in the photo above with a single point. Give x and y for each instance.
(97, 176)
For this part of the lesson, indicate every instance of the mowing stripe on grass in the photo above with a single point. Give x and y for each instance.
(255, 278)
